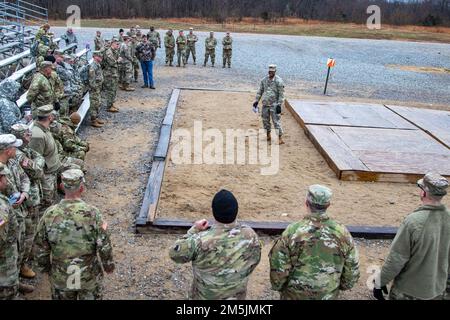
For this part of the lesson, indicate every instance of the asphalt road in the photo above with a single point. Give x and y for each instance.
(361, 71)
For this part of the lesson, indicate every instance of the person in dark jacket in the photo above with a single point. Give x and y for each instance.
(145, 51)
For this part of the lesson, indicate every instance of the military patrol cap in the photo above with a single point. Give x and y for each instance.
(45, 111)
(45, 64)
(319, 195)
(97, 53)
(72, 178)
(272, 67)
(9, 141)
(114, 39)
(434, 184)
(19, 130)
(3, 171)
(58, 52)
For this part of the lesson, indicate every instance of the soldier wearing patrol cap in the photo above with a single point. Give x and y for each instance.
(191, 39)
(41, 91)
(316, 257)
(9, 255)
(419, 260)
(73, 244)
(210, 49)
(271, 91)
(42, 142)
(33, 164)
(111, 75)
(181, 48)
(98, 41)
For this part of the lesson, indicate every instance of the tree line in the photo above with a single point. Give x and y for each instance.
(395, 12)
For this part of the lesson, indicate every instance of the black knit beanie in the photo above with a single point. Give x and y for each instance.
(225, 207)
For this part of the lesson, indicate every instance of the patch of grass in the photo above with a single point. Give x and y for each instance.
(285, 27)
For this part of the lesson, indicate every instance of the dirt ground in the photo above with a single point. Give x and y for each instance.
(188, 189)
(118, 167)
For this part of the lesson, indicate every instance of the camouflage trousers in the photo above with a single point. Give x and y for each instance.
(126, 73)
(31, 223)
(49, 189)
(109, 89)
(9, 272)
(227, 57)
(210, 53)
(95, 99)
(190, 50)
(136, 64)
(269, 112)
(21, 234)
(64, 111)
(95, 294)
(170, 53)
(181, 56)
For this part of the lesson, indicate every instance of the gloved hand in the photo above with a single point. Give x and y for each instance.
(279, 109)
(378, 293)
(255, 107)
(57, 106)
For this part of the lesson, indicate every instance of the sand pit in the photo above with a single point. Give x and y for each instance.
(187, 189)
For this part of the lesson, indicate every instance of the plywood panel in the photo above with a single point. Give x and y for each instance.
(435, 122)
(349, 114)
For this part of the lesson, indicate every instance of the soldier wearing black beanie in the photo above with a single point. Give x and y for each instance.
(225, 207)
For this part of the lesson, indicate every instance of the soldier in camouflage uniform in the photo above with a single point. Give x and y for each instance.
(58, 87)
(18, 186)
(271, 91)
(73, 145)
(210, 49)
(126, 65)
(154, 38)
(227, 43)
(98, 41)
(9, 255)
(316, 257)
(111, 75)
(134, 43)
(10, 112)
(42, 33)
(121, 32)
(33, 164)
(77, 83)
(95, 93)
(419, 260)
(41, 91)
(73, 244)
(169, 44)
(223, 256)
(191, 41)
(181, 49)
(43, 143)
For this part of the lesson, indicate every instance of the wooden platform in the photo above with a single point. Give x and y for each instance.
(370, 142)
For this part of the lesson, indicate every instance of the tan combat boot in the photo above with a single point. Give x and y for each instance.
(96, 124)
(100, 121)
(127, 87)
(27, 272)
(280, 140)
(113, 109)
(25, 288)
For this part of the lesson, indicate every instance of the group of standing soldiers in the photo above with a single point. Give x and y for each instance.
(39, 149)
(186, 46)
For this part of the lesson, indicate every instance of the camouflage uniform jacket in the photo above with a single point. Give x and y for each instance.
(169, 41)
(57, 85)
(191, 40)
(419, 260)
(70, 235)
(70, 141)
(109, 64)
(43, 143)
(181, 42)
(223, 258)
(227, 43)
(34, 171)
(9, 229)
(271, 91)
(9, 115)
(69, 38)
(314, 259)
(95, 76)
(126, 53)
(154, 38)
(99, 43)
(210, 43)
(41, 91)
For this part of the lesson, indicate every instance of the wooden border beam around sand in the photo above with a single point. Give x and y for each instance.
(147, 221)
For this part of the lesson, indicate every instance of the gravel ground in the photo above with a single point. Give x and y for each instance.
(361, 71)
